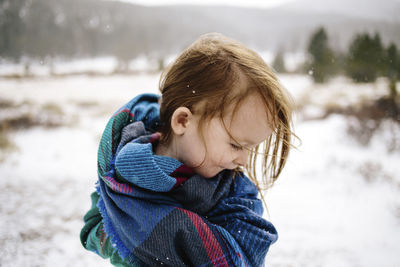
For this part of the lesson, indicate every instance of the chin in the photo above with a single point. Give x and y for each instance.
(209, 175)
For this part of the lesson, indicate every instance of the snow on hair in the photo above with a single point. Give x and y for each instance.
(203, 79)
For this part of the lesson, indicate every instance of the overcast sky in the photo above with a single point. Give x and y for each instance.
(243, 3)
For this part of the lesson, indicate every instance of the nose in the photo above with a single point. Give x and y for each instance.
(242, 157)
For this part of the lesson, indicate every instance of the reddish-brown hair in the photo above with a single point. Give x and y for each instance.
(203, 79)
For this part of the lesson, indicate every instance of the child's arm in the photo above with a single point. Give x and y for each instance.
(231, 205)
(240, 215)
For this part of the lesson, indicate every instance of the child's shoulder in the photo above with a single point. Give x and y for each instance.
(143, 107)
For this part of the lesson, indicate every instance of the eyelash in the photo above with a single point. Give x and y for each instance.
(236, 147)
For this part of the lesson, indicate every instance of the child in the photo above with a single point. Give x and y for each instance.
(171, 189)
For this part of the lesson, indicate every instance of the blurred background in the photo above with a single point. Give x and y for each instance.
(67, 65)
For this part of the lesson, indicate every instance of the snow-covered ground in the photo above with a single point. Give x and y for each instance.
(108, 64)
(336, 204)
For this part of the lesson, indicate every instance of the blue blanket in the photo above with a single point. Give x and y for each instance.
(153, 210)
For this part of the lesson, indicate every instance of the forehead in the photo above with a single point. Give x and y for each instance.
(249, 124)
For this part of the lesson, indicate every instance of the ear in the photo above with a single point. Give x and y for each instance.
(180, 120)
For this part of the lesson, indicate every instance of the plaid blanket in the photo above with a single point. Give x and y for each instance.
(152, 210)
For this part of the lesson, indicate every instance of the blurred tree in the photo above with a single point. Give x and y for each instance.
(392, 74)
(279, 63)
(41, 31)
(322, 58)
(392, 61)
(125, 49)
(398, 65)
(366, 58)
(12, 28)
(161, 63)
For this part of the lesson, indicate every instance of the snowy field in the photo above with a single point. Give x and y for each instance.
(336, 204)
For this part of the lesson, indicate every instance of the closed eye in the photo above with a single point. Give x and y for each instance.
(236, 147)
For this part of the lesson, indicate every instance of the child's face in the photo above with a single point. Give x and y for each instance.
(249, 127)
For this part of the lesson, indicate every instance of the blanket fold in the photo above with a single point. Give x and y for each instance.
(152, 210)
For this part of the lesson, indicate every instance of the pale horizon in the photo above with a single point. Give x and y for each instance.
(238, 3)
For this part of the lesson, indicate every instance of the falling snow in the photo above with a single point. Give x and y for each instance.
(325, 210)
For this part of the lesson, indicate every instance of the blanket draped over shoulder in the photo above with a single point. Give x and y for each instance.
(152, 210)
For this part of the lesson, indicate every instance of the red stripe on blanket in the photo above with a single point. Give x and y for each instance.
(155, 137)
(182, 174)
(124, 111)
(118, 187)
(240, 256)
(210, 243)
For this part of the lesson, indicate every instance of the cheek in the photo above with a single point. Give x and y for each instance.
(195, 155)
(221, 156)
(227, 157)
(218, 153)
(195, 149)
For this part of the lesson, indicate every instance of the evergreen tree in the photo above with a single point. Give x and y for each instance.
(398, 66)
(392, 61)
(366, 58)
(321, 55)
(392, 71)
